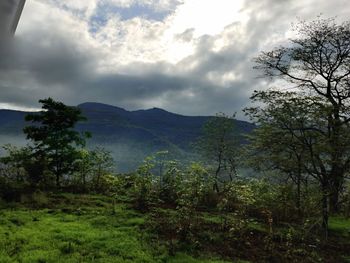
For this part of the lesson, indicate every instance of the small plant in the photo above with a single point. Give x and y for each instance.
(67, 248)
(40, 199)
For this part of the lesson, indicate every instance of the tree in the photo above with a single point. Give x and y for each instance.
(54, 137)
(317, 63)
(218, 145)
(289, 137)
(14, 163)
(21, 165)
(102, 164)
(84, 167)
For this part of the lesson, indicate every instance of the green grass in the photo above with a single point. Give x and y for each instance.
(79, 229)
(340, 226)
(210, 218)
(36, 236)
(183, 258)
(89, 228)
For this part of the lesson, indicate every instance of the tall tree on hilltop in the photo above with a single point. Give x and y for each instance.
(53, 136)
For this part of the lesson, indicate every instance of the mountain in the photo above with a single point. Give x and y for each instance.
(130, 135)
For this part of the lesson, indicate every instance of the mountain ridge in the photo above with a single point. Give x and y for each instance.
(130, 135)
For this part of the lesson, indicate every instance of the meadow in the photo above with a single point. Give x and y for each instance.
(79, 228)
(96, 228)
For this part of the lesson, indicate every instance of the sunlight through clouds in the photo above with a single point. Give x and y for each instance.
(206, 17)
(134, 53)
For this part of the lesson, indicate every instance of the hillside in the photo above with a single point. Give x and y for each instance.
(130, 135)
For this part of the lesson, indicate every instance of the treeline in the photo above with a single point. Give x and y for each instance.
(55, 157)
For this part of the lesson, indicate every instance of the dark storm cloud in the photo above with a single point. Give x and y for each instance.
(58, 68)
(51, 59)
(116, 88)
(66, 74)
(40, 65)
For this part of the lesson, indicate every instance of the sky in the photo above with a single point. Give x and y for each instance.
(192, 57)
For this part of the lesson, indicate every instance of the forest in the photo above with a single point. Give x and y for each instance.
(64, 202)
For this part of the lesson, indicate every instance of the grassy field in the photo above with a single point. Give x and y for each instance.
(79, 229)
(86, 228)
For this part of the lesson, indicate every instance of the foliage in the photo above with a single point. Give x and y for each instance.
(191, 192)
(143, 185)
(218, 145)
(19, 171)
(56, 153)
(54, 138)
(102, 164)
(237, 199)
(94, 170)
(311, 124)
(13, 164)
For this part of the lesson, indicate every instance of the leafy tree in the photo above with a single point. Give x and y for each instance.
(93, 167)
(317, 64)
(84, 167)
(54, 137)
(14, 163)
(288, 136)
(102, 163)
(237, 197)
(22, 166)
(218, 145)
(143, 184)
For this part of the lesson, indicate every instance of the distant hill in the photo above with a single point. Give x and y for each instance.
(130, 135)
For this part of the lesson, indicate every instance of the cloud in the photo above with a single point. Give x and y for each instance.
(196, 59)
(158, 5)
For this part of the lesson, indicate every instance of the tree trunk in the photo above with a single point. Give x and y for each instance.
(58, 180)
(334, 202)
(83, 177)
(298, 202)
(299, 196)
(336, 175)
(98, 178)
(347, 211)
(216, 185)
(325, 208)
(337, 184)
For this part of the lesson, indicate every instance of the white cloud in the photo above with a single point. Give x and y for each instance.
(206, 17)
(137, 39)
(157, 5)
(132, 40)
